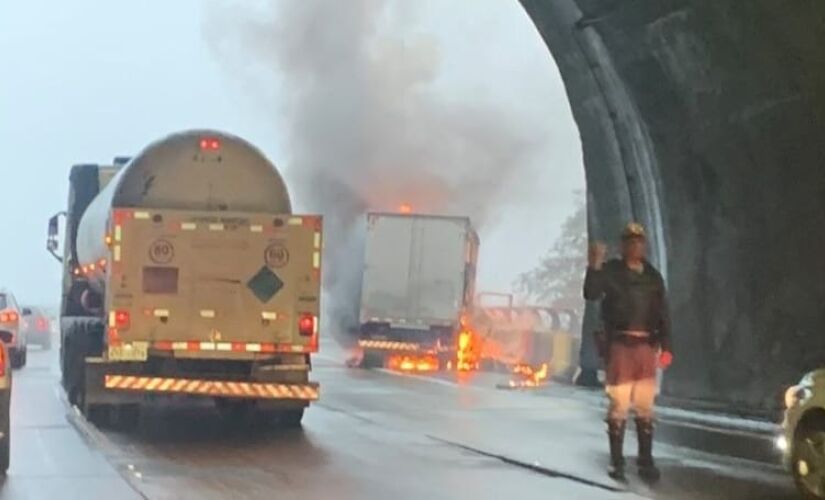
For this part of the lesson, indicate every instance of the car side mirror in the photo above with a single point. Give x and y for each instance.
(53, 239)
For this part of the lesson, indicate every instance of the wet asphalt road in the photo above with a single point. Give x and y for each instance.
(374, 435)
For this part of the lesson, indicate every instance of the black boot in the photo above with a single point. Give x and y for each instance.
(615, 432)
(644, 433)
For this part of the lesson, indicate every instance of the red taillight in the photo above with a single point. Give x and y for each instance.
(210, 144)
(306, 325)
(122, 320)
(9, 317)
(42, 324)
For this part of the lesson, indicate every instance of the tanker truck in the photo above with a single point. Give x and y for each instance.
(186, 274)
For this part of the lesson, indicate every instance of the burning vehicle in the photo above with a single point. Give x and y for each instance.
(418, 283)
(531, 343)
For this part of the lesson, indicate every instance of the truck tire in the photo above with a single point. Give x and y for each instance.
(72, 365)
(807, 461)
(81, 339)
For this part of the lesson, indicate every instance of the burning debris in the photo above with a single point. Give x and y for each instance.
(525, 376)
(468, 351)
(413, 363)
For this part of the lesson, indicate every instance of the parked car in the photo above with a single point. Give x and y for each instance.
(802, 440)
(37, 327)
(10, 332)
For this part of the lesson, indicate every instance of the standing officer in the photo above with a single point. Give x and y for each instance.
(636, 340)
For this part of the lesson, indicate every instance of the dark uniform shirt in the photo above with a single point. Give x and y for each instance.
(630, 300)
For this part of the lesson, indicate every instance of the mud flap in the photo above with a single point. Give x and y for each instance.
(96, 392)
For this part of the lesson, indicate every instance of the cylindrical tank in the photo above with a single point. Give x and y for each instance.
(202, 170)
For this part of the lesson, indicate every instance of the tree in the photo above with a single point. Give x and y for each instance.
(557, 280)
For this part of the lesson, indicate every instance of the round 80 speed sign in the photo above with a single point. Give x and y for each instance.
(276, 256)
(161, 252)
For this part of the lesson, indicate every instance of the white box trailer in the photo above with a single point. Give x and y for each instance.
(418, 281)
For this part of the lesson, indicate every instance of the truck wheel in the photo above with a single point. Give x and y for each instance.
(808, 458)
(73, 376)
(73, 363)
(290, 419)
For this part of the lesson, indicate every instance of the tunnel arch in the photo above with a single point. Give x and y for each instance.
(704, 121)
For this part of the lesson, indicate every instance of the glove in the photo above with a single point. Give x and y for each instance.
(665, 359)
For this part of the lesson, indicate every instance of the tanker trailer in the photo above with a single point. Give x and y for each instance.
(186, 274)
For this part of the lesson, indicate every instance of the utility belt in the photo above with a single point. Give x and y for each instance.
(625, 337)
(631, 337)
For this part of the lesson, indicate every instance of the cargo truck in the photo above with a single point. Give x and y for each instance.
(186, 273)
(419, 274)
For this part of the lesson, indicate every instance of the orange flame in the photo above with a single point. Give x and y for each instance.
(525, 375)
(410, 363)
(467, 353)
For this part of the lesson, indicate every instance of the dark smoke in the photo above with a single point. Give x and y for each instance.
(366, 128)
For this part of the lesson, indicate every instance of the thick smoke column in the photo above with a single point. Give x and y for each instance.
(366, 128)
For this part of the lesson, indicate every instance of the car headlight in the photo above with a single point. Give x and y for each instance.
(796, 395)
(781, 443)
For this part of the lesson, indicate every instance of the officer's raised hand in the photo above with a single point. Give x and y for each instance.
(596, 255)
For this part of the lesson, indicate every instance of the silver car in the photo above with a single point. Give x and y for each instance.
(802, 440)
(36, 327)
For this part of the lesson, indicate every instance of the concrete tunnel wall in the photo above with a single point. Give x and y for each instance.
(705, 120)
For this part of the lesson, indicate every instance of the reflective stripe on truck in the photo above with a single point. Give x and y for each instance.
(264, 347)
(388, 345)
(262, 390)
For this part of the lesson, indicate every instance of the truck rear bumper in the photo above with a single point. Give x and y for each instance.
(120, 383)
(213, 388)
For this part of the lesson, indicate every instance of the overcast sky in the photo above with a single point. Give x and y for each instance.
(86, 80)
